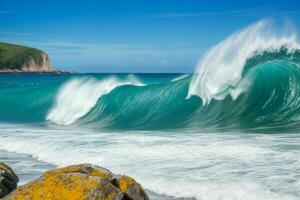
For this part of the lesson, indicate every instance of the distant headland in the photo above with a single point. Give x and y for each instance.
(22, 59)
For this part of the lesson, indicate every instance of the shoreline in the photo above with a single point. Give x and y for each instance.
(84, 181)
(36, 72)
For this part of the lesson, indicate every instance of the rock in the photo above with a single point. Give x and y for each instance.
(129, 187)
(8, 180)
(83, 181)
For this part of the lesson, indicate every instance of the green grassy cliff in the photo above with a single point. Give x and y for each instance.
(25, 59)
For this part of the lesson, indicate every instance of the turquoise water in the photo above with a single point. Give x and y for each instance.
(228, 131)
(144, 126)
(266, 100)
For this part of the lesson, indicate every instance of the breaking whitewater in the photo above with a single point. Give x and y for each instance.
(229, 131)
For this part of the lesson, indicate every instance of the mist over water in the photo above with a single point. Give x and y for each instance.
(229, 131)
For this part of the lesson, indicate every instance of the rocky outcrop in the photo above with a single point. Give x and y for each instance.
(8, 180)
(17, 58)
(83, 181)
(43, 66)
(130, 188)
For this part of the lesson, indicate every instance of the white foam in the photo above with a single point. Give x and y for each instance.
(215, 190)
(203, 166)
(78, 96)
(220, 69)
(180, 77)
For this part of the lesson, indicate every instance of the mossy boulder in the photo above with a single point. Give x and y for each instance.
(80, 182)
(17, 58)
(8, 180)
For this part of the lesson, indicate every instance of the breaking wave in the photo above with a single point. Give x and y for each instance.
(79, 96)
(248, 82)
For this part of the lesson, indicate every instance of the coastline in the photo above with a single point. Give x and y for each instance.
(21, 162)
(36, 72)
(28, 176)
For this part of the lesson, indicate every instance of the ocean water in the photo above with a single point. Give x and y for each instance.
(228, 131)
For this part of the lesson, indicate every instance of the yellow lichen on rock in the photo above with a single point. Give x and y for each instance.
(80, 182)
(88, 169)
(124, 182)
(66, 186)
(130, 188)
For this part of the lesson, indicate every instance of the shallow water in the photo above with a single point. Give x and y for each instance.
(174, 164)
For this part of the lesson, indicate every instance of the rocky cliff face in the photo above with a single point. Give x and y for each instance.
(16, 58)
(43, 66)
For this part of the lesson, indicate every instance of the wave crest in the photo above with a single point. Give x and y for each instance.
(220, 70)
(78, 96)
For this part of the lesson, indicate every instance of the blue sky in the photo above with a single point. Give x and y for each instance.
(132, 35)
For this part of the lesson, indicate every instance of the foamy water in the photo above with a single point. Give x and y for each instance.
(178, 165)
(221, 69)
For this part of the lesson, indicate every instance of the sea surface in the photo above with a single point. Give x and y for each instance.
(228, 131)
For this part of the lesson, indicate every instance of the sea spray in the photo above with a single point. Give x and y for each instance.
(221, 68)
(78, 96)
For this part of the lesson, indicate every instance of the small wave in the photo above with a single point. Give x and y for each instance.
(78, 96)
(180, 77)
